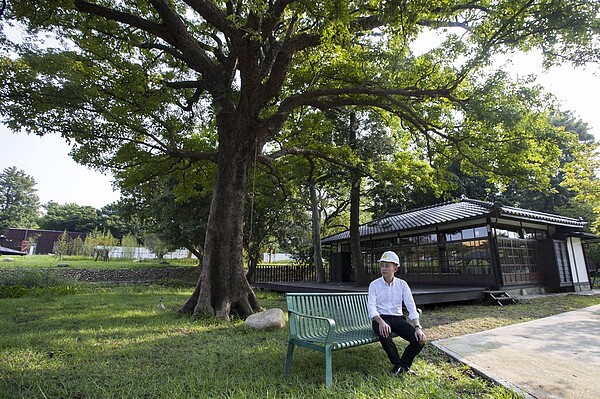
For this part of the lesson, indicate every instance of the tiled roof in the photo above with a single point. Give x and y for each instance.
(451, 212)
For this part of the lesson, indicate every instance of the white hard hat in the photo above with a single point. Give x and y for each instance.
(390, 256)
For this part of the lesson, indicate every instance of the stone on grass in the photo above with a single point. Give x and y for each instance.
(267, 320)
(8, 260)
(63, 265)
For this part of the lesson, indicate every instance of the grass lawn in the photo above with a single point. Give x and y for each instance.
(114, 342)
(81, 262)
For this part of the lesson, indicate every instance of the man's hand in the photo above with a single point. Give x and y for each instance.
(384, 329)
(419, 334)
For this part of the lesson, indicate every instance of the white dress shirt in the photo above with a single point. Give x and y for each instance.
(387, 299)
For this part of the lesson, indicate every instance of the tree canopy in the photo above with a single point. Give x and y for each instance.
(165, 85)
(19, 202)
(69, 217)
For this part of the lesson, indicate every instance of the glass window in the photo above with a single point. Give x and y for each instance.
(534, 234)
(383, 243)
(468, 234)
(427, 239)
(405, 241)
(500, 232)
(508, 233)
(481, 231)
(453, 236)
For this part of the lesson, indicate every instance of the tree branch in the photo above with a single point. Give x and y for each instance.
(213, 15)
(172, 31)
(119, 16)
(273, 16)
(312, 153)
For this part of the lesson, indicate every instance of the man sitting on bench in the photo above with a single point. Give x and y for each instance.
(386, 295)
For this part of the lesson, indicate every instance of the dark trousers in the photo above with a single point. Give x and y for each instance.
(405, 330)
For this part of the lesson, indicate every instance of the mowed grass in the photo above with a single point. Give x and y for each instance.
(82, 262)
(116, 343)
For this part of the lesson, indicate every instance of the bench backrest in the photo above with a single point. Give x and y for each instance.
(349, 310)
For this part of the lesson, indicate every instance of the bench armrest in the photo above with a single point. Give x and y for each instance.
(304, 326)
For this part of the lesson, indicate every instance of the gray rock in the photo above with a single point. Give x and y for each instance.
(267, 320)
(8, 260)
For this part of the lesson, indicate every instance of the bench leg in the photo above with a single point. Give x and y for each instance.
(288, 359)
(328, 368)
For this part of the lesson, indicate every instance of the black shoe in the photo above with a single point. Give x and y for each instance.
(398, 370)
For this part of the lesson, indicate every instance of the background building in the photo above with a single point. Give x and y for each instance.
(473, 243)
(34, 241)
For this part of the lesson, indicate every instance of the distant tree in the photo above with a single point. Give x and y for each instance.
(582, 178)
(114, 217)
(159, 247)
(19, 203)
(100, 244)
(179, 220)
(556, 195)
(129, 244)
(266, 217)
(77, 246)
(125, 216)
(62, 245)
(172, 207)
(69, 217)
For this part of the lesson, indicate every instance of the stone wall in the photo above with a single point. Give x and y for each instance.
(185, 274)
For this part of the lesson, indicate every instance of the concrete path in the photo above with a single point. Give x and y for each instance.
(554, 357)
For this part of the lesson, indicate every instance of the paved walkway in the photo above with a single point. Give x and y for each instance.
(554, 357)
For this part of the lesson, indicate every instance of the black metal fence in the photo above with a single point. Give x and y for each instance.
(266, 273)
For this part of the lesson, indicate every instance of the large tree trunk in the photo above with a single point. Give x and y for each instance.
(316, 232)
(360, 276)
(222, 288)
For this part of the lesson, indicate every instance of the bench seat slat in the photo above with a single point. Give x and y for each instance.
(346, 339)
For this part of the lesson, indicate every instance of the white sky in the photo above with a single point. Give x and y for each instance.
(62, 180)
(59, 178)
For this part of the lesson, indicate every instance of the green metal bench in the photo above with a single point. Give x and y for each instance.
(326, 322)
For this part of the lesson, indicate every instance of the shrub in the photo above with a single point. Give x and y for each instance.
(32, 278)
(25, 282)
(14, 291)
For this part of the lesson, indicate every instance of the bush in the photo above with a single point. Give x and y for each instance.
(26, 282)
(32, 278)
(14, 291)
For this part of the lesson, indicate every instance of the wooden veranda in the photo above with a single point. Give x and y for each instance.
(423, 294)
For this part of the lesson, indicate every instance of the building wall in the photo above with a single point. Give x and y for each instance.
(45, 239)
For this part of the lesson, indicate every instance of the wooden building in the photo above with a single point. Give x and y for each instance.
(473, 243)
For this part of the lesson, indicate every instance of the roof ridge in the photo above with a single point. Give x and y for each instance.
(387, 215)
(487, 204)
(579, 219)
